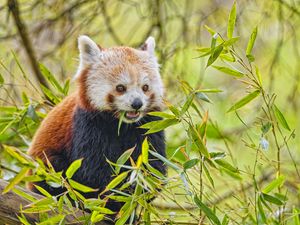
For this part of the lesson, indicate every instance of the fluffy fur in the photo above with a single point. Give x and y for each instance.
(85, 124)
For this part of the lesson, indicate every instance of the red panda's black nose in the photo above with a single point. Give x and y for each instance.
(137, 104)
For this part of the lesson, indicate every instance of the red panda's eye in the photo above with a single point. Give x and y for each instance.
(120, 88)
(145, 87)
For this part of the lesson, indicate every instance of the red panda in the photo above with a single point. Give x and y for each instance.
(84, 125)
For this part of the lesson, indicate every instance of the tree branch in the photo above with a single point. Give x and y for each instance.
(22, 30)
(10, 206)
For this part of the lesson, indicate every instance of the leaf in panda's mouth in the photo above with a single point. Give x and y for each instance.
(121, 117)
(132, 115)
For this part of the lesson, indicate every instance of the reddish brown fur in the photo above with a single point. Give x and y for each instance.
(54, 133)
(110, 98)
(83, 98)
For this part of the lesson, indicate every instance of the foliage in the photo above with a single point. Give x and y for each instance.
(245, 176)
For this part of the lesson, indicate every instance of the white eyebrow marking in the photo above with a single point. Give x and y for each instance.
(124, 78)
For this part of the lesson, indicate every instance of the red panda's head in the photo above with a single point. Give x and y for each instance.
(120, 79)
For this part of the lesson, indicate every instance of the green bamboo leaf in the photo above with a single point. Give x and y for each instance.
(230, 41)
(162, 115)
(234, 175)
(187, 104)
(1, 79)
(123, 158)
(261, 210)
(248, 98)
(258, 75)
(226, 165)
(37, 209)
(229, 58)
(210, 30)
(17, 154)
(52, 220)
(8, 109)
(66, 87)
(280, 118)
(251, 44)
(121, 118)
(23, 220)
(203, 49)
(217, 155)
(44, 201)
(274, 184)
(104, 210)
(145, 151)
(97, 216)
(231, 21)
(208, 175)
(50, 77)
(159, 125)
(197, 140)
(296, 214)
(25, 98)
(81, 187)
(208, 212)
(225, 220)
(173, 109)
(125, 212)
(214, 55)
(165, 160)
(8, 126)
(50, 95)
(208, 91)
(117, 180)
(73, 168)
(229, 71)
(203, 97)
(213, 41)
(43, 191)
(17, 179)
(23, 194)
(266, 127)
(154, 171)
(146, 218)
(271, 199)
(190, 163)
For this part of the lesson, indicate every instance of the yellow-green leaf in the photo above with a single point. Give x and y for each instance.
(231, 21)
(208, 212)
(43, 191)
(251, 41)
(248, 98)
(145, 150)
(159, 125)
(274, 184)
(16, 179)
(50, 77)
(229, 71)
(214, 55)
(117, 180)
(280, 118)
(226, 165)
(73, 168)
(81, 187)
(162, 115)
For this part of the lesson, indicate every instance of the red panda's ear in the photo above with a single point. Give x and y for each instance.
(149, 45)
(88, 50)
